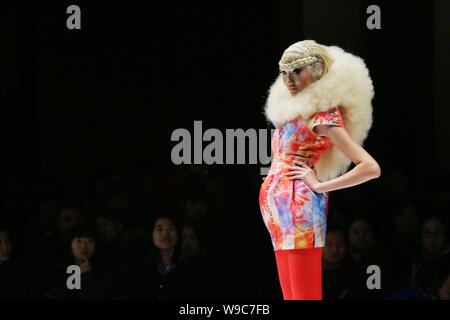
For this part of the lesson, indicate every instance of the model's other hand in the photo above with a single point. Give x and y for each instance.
(302, 172)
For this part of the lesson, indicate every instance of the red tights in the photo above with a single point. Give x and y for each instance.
(300, 273)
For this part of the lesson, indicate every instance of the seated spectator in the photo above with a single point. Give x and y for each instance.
(433, 243)
(432, 278)
(336, 275)
(11, 280)
(110, 232)
(68, 217)
(193, 249)
(161, 274)
(434, 238)
(110, 247)
(361, 239)
(51, 249)
(194, 205)
(364, 252)
(406, 227)
(429, 265)
(81, 245)
(431, 282)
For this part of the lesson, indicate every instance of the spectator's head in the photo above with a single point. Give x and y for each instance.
(335, 247)
(67, 218)
(434, 236)
(165, 233)
(109, 226)
(48, 209)
(406, 218)
(5, 246)
(82, 242)
(118, 200)
(194, 204)
(116, 194)
(192, 244)
(360, 235)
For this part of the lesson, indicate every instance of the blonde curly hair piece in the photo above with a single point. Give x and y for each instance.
(304, 53)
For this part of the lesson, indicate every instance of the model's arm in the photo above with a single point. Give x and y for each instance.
(366, 168)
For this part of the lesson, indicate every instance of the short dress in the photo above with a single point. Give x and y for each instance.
(293, 213)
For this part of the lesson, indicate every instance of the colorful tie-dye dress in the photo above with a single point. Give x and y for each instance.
(293, 213)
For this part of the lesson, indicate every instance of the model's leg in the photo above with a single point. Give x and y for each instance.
(305, 266)
(283, 273)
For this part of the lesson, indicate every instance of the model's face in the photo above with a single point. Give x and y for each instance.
(296, 80)
(165, 234)
(83, 247)
(5, 247)
(334, 251)
(433, 236)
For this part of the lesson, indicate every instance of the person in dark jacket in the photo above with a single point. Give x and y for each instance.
(49, 249)
(158, 273)
(364, 251)
(80, 262)
(195, 249)
(336, 274)
(430, 265)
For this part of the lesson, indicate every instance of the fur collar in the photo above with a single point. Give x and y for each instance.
(347, 85)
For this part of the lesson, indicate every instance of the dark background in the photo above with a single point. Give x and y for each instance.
(82, 105)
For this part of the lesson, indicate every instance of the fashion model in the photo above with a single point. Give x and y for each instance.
(321, 107)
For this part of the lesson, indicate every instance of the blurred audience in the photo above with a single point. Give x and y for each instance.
(132, 251)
